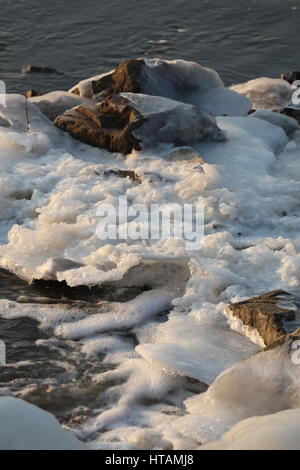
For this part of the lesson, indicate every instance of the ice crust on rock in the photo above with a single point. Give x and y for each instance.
(179, 80)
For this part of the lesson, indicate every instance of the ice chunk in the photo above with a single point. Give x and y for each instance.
(278, 431)
(26, 427)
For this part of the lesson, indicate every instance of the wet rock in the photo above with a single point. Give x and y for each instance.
(178, 80)
(125, 174)
(290, 76)
(126, 122)
(55, 103)
(272, 314)
(31, 93)
(35, 69)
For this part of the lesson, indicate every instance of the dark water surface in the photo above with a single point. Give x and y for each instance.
(242, 39)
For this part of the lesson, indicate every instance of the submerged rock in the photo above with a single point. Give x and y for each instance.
(31, 93)
(38, 69)
(121, 123)
(271, 314)
(178, 80)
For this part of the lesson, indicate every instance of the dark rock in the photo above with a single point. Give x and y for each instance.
(31, 93)
(35, 69)
(292, 112)
(126, 78)
(108, 125)
(265, 313)
(125, 174)
(122, 123)
(290, 76)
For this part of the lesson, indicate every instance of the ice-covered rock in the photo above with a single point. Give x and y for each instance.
(121, 123)
(278, 431)
(288, 124)
(25, 129)
(26, 427)
(268, 93)
(267, 315)
(178, 80)
(57, 102)
(266, 383)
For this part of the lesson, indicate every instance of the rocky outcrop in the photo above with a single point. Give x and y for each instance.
(267, 315)
(122, 123)
(178, 80)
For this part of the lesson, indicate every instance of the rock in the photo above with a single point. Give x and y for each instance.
(124, 174)
(35, 69)
(290, 76)
(273, 94)
(288, 124)
(31, 93)
(56, 103)
(178, 80)
(267, 314)
(126, 122)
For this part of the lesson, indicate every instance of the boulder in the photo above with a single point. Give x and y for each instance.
(178, 80)
(267, 314)
(126, 122)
